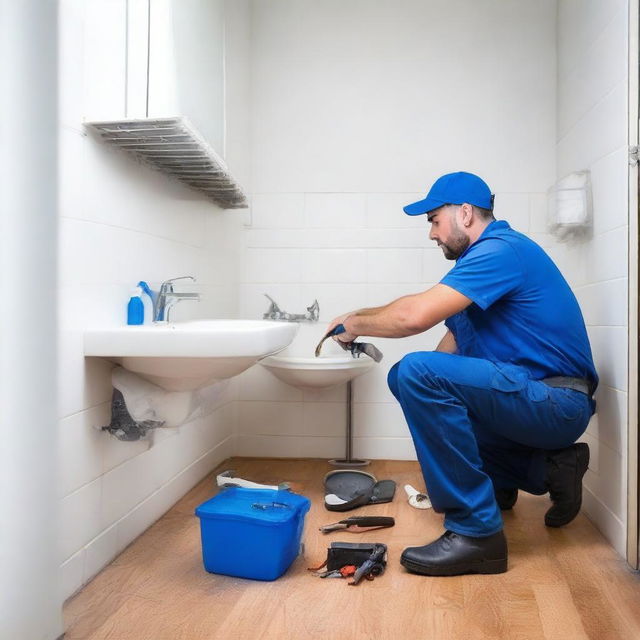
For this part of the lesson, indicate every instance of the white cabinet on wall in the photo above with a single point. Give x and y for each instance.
(155, 87)
(175, 63)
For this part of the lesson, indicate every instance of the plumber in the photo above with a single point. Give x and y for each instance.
(500, 403)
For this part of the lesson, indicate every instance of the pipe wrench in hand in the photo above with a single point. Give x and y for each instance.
(356, 348)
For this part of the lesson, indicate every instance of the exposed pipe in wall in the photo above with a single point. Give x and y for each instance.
(30, 606)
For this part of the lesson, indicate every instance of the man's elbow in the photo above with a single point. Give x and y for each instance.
(414, 325)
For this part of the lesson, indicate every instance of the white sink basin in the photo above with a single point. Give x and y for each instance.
(317, 373)
(189, 355)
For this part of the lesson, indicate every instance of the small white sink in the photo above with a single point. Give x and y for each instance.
(189, 355)
(317, 373)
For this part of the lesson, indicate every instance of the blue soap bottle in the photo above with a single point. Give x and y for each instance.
(135, 308)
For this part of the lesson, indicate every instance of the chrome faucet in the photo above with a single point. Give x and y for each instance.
(167, 298)
(275, 313)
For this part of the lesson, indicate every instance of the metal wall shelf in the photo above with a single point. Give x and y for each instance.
(174, 147)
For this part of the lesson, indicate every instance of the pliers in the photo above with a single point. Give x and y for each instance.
(365, 523)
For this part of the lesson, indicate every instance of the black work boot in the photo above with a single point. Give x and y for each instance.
(564, 469)
(506, 498)
(453, 554)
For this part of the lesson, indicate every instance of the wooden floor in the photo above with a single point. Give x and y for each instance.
(561, 584)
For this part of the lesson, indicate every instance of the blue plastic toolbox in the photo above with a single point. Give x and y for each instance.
(251, 533)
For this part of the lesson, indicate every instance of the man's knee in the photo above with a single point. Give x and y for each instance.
(425, 365)
(392, 380)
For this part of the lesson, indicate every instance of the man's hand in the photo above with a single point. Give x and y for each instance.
(345, 337)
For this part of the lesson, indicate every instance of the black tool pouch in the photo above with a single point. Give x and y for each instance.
(341, 554)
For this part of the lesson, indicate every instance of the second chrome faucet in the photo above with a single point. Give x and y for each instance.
(275, 313)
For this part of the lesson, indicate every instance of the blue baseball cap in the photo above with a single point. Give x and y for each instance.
(454, 188)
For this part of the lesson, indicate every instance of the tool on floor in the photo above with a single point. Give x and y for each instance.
(368, 559)
(227, 479)
(347, 489)
(359, 524)
(417, 499)
(356, 348)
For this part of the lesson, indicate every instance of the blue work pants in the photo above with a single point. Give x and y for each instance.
(477, 425)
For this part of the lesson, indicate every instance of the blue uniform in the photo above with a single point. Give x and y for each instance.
(482, 418)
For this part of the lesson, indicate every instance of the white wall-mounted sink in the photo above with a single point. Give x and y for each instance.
(189, 355)
(317, 373)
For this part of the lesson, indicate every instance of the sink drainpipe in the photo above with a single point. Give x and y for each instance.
(348, 461)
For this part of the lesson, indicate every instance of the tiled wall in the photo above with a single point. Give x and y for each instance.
(357, 108)
(592, 134)
(119, 223)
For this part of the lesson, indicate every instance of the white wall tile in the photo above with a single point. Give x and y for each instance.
(179, 215)
(278, 210)
(571, 259)
(579, 26)
(537, 214)
(326, 419)
(271, 418)
(384, 210)
(609, 346)
(373, 387)
(597, 72)
(394, 265)
(380, 293)
(601, 131)
(604, 303)
(100, 552)
(384, 448)
(379, 419)
(609, 179)
(608, 482)
(611, 412)
(611, 526)
(80, 448)
(607, 256)
(337, 393)
(327, 265)
(514, 208)
(116, 452)
(334, 299)
(268, 446)
(274, 265)
(322, 447)
(125, 486)
(434, 266)
(335, 210)
(80, 520)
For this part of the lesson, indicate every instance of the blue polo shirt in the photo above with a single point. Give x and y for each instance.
(523, 311)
